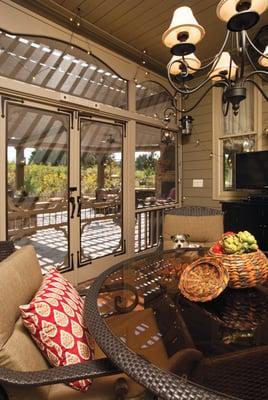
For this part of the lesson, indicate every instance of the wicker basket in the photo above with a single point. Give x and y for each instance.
(203, 280)
(241, 310)
(245, 270)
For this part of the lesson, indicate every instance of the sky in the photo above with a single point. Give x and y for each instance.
(28, 152)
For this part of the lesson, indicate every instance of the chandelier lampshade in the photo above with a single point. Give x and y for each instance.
(176, 67)
(263, 60)
(241, 14)
(219, 71)
(183, 33)
(222, 66)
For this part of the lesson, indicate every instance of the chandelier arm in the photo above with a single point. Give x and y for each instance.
(225, 109)
(254, 67)
(258, 87)
(216, 58)
(230, 62)
(168, 112)
(256, 72)
(184, 73)
(242, 53)
(218, 55)
(250, 60)
(168, 109)
(188, 90)
(254, 47)
(199, 100)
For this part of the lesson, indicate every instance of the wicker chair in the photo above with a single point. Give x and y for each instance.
(242, 373)
(20, 277)
(204, 225)
(6, 248)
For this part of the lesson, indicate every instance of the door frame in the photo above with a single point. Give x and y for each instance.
(33, 105)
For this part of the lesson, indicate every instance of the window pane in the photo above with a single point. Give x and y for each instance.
(152, 99)
(155, 166)
(56, 65)
(37, 178)
(244, 121)
(101, 189)
(230, 148)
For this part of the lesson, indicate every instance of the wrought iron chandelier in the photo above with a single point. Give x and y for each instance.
(226, 69)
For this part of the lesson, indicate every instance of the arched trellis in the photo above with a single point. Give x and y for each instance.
(153, 99)
(62, 66)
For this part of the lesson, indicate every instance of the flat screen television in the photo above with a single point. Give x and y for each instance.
(252, 170)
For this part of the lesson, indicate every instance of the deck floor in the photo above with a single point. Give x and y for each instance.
(99, 238)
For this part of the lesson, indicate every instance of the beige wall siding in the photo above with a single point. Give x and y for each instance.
(196, 157)
(265, 120)
(196, 153)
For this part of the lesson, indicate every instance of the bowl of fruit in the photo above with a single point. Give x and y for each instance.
(246, 264)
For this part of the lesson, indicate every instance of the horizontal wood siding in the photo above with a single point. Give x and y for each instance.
(265, 120)
(196, 157)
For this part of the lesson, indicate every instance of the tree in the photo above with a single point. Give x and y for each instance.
(88, 160)
(48, 157)
(145, 161)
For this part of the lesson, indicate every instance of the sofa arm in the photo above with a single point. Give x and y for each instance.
(68, 373)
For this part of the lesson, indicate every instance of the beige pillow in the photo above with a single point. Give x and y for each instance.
(207, 228)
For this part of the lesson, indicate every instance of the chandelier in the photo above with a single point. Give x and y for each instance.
(227, 69)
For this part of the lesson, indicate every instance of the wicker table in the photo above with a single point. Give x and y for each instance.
(220, 347)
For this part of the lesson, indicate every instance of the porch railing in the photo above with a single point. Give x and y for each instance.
(148, 227)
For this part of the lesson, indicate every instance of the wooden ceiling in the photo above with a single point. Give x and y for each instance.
(131, 26)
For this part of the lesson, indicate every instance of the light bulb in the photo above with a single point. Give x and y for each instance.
(191, 60)
(263, 61)
(222, 66)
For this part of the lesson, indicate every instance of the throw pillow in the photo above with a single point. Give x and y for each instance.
(55, 320)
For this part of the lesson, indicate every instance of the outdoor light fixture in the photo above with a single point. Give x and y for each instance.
(186, 125)
(167, 137)
(226, 69)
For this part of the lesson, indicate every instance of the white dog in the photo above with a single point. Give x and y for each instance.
(183, 241)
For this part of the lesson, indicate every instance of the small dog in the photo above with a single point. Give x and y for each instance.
(183, 241)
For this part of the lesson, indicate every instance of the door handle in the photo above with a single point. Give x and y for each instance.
(79, 202)
(72, 201)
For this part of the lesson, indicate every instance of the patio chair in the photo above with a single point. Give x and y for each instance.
(20, 277)
(241, 373)
(203, 224)
(6, 248)
(20, 219)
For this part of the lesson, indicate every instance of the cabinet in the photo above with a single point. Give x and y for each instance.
(248, 215)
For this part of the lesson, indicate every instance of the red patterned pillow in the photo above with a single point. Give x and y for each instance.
(55, 320)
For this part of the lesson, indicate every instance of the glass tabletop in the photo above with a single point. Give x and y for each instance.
(221, 344)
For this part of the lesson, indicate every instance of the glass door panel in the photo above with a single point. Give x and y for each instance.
(37, 182)
(101, 189)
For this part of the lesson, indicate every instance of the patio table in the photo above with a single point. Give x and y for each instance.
(176, 348)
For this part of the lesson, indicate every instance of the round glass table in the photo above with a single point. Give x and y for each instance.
(176, 348)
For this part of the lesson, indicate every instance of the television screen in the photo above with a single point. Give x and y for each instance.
(252, 170)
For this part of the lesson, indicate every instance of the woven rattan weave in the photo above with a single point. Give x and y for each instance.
(204, 279)
(163, 384)
(6, 248)
(245, 270)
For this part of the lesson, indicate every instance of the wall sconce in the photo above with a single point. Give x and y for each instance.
(186, 125)
(167, 137)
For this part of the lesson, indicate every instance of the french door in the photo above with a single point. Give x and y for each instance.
(64, 186)
(37, 181)
(101, 205)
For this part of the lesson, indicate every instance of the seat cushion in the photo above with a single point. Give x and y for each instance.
(55, 320)
(20, 278)
(102, 389)
(20, 353)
